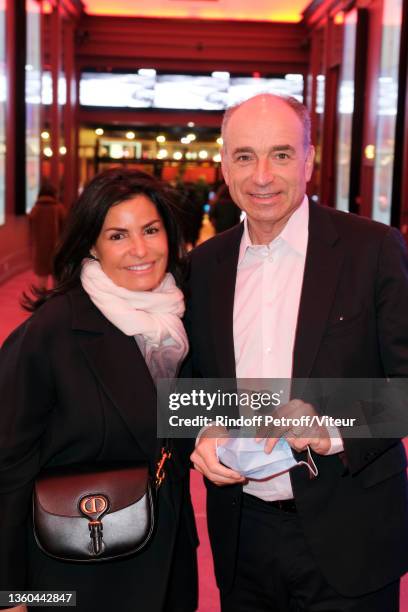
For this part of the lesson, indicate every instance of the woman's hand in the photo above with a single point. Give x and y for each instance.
(16, 609)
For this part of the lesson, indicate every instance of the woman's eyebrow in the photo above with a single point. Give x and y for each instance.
(151, 223)
(126, 229)
(116, 229)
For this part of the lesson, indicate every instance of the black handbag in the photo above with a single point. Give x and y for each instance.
(101, 513)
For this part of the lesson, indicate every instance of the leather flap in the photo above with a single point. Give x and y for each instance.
(60, 491)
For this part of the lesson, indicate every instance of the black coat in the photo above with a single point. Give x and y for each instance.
(75, 389)
(352, 323)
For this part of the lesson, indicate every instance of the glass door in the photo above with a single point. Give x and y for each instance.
(345, 109)
(2, 109)
(387, 110)
(33, 101)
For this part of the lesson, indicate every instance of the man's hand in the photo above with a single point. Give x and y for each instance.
(206, 461)
(16, 609)
(306, 433)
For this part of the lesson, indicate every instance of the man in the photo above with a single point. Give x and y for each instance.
(305, 291)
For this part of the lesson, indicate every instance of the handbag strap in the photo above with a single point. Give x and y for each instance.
(160, 471)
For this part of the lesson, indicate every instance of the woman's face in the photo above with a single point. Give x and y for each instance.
(132, 247)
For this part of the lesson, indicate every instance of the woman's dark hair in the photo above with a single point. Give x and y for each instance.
(47, 189)
(86, 218)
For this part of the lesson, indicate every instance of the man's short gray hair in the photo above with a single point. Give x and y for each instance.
(297, 107)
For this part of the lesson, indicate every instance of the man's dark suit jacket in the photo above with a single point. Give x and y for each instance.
(352, 323)
(75, 389)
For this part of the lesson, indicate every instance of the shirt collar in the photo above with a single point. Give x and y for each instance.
(295, 233)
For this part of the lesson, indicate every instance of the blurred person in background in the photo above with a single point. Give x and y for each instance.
(192, 199)
(224, 213)
(46, 222)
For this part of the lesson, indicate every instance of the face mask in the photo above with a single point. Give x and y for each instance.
(248, 458)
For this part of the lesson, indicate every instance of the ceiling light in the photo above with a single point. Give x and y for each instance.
(220, 141)
(191, 137)
(45, 135)
(147, 72)
(203, 154)
(190, 124)
(48, 152)
(99, 132)
(161, 138)
(217, 157)
(130, 135)
(177, 155)
(294, 77)
(116, 150)
(63, 150)
(221, 75)
(369, 151)
(162, 153)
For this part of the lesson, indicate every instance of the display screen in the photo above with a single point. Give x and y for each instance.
(147, 89)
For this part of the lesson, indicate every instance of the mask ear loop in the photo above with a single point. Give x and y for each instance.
(310, 464)
(216, 446)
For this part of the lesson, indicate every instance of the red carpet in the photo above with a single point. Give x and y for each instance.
(11, 316)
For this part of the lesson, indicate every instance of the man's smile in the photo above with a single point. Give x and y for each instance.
(265, 197)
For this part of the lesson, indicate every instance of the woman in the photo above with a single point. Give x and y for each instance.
(46, 221)
(77, 383)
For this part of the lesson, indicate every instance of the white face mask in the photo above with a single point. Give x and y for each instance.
(248, 457)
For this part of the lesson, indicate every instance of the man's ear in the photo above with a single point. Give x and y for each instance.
(224, 165)
(309, 163)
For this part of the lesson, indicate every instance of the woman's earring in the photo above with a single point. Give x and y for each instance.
(93, 256)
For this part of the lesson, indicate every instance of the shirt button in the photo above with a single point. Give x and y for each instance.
(269, 350)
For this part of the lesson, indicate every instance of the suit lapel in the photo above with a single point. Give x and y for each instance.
(324, 260)
(222, 303)
(120, 368)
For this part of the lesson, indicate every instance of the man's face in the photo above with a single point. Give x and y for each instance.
(264, 162)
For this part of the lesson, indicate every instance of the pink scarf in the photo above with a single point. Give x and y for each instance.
(152, 317)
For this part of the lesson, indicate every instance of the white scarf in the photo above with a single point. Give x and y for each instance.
(152, 317)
